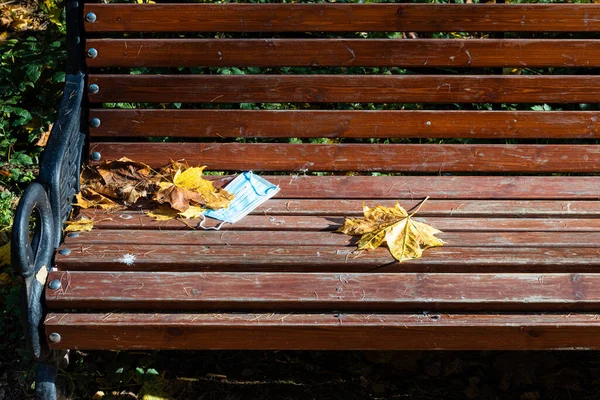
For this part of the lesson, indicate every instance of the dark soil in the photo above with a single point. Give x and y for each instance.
(228, 375)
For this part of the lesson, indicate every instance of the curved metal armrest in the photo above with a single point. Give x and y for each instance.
(32, 255)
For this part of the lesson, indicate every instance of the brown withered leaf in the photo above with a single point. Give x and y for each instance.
(89, 198)
(406, 238)
(183, 187)
(126, 179)
(81, 225)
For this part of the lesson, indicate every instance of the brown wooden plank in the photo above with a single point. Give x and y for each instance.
(345, 88)
(133, 220)
(362, 157)
(342, 17)
(305, 291)
(343, 52)
(283, 238)
(416, 188)
(169, 258)
(278, 331)
(345, 124)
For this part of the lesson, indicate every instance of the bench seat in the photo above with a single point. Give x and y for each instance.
(514, 250)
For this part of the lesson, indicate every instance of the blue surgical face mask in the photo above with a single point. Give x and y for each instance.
(250, 191)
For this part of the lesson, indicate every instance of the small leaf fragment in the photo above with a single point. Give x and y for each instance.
(81, 225)
(192, 212)
(163, 213)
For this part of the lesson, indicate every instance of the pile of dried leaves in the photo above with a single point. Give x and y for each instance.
(174, 191)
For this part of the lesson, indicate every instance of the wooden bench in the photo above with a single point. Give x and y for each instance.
(517, 198)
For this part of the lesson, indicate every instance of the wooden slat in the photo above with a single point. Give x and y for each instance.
(416, 188)
(325, 331)
(299, 238)
(129, 220)
(302, 291)
(345, 88)
(342, 17)
(344, 52)
(346, 124)
(362, 157)
(169, 258)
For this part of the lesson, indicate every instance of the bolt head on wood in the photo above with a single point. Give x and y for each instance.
(92, 53)
(94, 88)
(90, 17)
(54, 284)
(65, 251)
(95, 122)
(96, 156)
(54, 337)
(73, 234)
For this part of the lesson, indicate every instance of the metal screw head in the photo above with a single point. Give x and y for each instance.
(96, 156)
(90, 17)
(54, 284)
(54, 337)
(95, 122)
(92, 52)
(94, 88)
(65, 251)
(73, 234)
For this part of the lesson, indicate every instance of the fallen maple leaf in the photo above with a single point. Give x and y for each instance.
(406, 238)
(125, 179)
(184, 187)
(163, 213)
(89, 198)
(81, 225)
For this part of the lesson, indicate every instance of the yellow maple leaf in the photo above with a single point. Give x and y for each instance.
(163, 213)
(188, 188)
(5, 254)
(89, 198)
(81, 225)
(192, 212)
(406, 238)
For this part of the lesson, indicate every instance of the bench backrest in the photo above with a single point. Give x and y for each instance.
(349, 84)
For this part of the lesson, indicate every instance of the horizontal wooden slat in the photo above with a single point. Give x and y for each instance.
(278, 331)
(416, 188)
(303, 238)
(345, 88)
(342, 17)
(363, 157)
(435, 208)
(302, 291)
(169, 258)
(343, 52)
(346, 124)
(129, 220)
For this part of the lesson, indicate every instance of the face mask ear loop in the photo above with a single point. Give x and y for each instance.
(267, 190)
(214, 228)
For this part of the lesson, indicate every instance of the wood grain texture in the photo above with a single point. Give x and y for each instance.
(132, 220)
(343, 52)
(307, 238)
(345, 124)
(328, 331)
(345, 88)
(294, 258)
(300, 186)
(343, 17)
(362, 157)
(243, 291)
